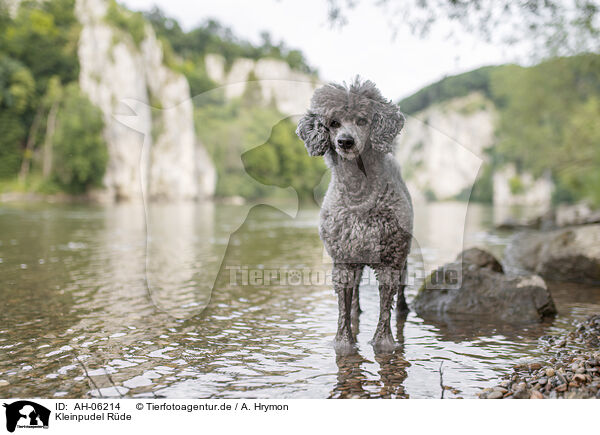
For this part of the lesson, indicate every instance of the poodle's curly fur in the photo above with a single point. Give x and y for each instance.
(366, 217)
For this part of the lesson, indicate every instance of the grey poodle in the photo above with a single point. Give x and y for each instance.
(366, 217)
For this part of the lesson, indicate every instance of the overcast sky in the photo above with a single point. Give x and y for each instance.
(364, 46)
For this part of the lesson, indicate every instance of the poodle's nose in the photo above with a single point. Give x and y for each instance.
(345, 142)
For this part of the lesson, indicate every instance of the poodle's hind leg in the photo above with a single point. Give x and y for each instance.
(401, 305)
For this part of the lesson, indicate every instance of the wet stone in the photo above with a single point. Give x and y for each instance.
(536, 395)
(495, 395)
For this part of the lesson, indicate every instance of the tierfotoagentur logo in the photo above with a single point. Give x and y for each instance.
(24, 414)
(449, 277)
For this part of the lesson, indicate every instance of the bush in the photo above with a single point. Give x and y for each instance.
(80, 153)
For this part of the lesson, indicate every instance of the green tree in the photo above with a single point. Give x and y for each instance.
(43, 36)
(579, 171)
(450, 87)
(17, 89)
(548, 121)
(80, 153)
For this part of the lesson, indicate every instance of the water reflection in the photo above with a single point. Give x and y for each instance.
(75, 283)
(354, 380)
(183, 256)
(462, 328)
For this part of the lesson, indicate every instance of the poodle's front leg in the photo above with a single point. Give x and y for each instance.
(383, 340)
(344, 281)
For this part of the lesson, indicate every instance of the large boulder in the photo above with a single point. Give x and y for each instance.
(570, 254)
(476, 284)
(481, 259)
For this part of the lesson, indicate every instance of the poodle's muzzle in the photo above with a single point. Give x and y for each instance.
(349, 139)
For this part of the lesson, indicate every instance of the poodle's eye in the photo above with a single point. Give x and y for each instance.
(335, 124)
(361, 121)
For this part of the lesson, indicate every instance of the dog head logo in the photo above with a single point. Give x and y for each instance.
(26, 414)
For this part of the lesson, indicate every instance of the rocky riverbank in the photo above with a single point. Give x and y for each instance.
(570, 371)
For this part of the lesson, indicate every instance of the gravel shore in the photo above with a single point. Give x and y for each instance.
(570, 371)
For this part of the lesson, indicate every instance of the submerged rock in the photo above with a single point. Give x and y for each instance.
(476, 284)
(571, 254)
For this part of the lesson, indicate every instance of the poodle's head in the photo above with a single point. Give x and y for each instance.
(349, 119)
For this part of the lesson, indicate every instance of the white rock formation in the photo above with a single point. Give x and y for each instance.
(114, 69)
(442, 148)
(532, 191)
(290, 90)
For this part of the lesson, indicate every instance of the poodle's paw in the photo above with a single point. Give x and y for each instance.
(344, 344)
(384, 343)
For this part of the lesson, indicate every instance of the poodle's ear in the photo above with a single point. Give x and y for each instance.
(311, 129)
(387, 123)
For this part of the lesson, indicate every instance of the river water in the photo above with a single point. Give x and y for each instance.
(223, 301)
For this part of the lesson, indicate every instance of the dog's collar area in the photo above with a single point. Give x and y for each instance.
(361, 165)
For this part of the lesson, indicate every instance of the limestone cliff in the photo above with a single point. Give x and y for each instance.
(443, 147)
(512, 188)
(114, 69)
(290, 90)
